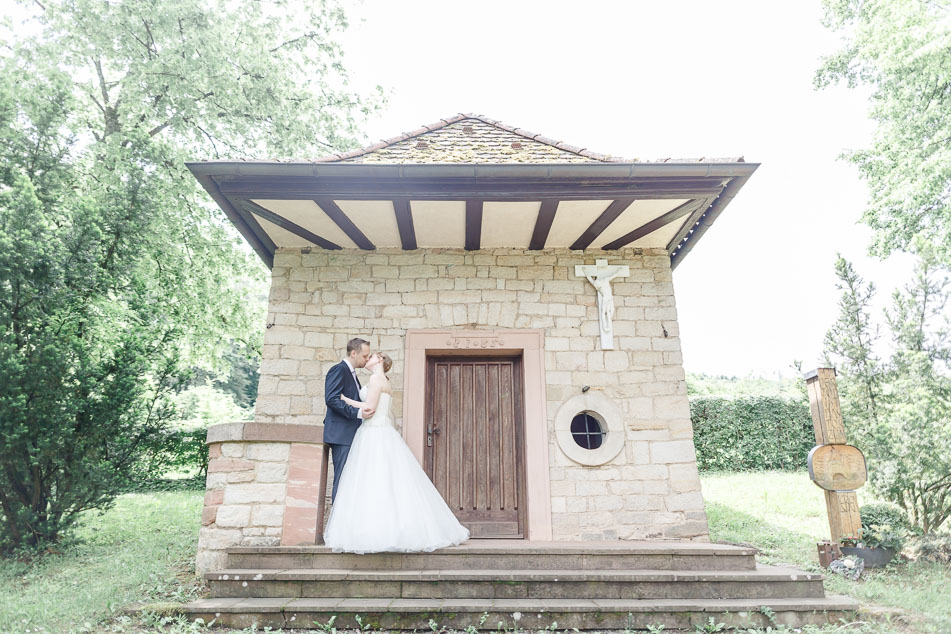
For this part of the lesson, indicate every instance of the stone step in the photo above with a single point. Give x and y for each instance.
(509, 554)
(526, 614)
(765, 582)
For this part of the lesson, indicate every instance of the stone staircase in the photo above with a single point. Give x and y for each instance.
(524, 585)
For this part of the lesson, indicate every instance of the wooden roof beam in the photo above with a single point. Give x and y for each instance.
(706, 220)
(299, 188)
(601, 223)
(251, 222)
(287, 225)
(652, 226)
(245, 224)
(546, 216)
(473, 224)
(342, 220)
(404, 222)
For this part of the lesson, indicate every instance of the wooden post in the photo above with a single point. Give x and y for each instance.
(322, 498)
(842, 506)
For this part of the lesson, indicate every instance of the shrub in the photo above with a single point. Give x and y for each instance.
(884, 525)
(883, 536)
(751, 434)
(884, 514)
(934, 548)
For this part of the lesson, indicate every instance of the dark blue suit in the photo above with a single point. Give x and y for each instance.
(342, 420)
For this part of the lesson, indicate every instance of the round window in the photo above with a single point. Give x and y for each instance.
(586, 430)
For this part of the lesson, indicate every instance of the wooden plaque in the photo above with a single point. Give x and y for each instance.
(837, 467)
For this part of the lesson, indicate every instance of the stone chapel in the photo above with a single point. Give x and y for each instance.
(523, 288)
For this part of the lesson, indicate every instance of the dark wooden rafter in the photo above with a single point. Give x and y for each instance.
(404, 222)
(342, 220)
(473, 224)
(251, 221)
(689, 222)
(653, 225)
(609, 215)
(287, 225)
(705, 220)
(247, 227)
(297, 188)
(546, 216)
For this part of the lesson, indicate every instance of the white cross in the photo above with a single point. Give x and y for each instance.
(600, 276)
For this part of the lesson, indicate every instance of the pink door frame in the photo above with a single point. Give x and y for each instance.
(530, 343)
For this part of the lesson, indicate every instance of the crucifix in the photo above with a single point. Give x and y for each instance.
(600, 276)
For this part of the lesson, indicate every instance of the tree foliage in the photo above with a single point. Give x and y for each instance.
(116, 275)
(901, 50)
(899, 408)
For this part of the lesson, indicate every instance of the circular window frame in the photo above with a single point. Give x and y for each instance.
(606, 412)
(602, 432)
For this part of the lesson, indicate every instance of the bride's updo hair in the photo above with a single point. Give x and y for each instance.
(386, 361)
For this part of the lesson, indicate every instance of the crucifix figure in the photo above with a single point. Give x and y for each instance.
(600, 276)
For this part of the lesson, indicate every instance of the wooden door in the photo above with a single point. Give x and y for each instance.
(474, 441)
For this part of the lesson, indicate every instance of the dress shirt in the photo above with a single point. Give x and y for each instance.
(353, 373)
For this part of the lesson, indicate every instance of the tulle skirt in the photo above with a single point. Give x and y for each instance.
(386, 502)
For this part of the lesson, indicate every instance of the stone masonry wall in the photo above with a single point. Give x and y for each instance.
(244, 499)
(651, 490)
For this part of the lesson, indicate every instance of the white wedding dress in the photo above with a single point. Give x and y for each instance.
(385, 501)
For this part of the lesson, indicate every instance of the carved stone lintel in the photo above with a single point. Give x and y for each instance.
(475, 342)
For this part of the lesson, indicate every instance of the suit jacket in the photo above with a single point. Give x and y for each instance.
(342, 420)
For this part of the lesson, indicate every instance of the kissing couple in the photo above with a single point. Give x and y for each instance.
(382, 499)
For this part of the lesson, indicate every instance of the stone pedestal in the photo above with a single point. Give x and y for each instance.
(262, 488)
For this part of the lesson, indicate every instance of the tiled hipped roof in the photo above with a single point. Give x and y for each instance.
(470, 138)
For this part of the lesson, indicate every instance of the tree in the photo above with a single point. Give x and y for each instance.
(900, 409)
(116, 274)
(901, 50)
(852, 340)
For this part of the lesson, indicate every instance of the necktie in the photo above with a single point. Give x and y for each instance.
(355, 379)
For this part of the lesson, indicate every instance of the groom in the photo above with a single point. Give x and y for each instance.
(342, 420)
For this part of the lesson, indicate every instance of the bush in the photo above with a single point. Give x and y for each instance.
(884, 514)
(751, 434)
(884, 525)
(932, 547)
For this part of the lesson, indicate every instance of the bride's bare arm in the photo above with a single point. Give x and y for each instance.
(373, 395)
(351, 402)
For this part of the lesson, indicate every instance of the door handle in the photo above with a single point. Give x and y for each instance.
(430, 430)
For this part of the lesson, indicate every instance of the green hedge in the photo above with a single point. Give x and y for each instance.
(751, 434)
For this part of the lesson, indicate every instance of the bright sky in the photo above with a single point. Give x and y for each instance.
(665, 79)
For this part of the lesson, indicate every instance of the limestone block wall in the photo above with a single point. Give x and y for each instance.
(262, 488)
(244, 498)
(650, 490)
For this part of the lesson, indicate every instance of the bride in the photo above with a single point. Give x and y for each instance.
(385, 501)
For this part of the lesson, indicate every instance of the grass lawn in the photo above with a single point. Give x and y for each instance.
(142, 550)
(139, 550)
(784, 515)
